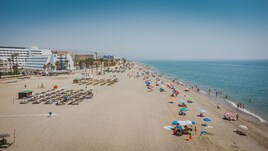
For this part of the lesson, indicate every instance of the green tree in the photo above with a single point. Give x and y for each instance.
(57, 65)
(44, 66)
(91, 62)
(66, 64)
(101, 63)
(52, 66)
(87, 63)
(10, 64)
(81, 64)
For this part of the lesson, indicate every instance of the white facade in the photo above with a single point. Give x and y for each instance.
(33, 58)
(35, 51)
(66, 59)
(4, 65)
(22, 54)
(37, 62)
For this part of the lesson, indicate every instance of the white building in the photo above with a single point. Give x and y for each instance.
(37, 62)
(4, 65)
(35, 51)
(66, 61)
(34, 58)
(15, 54)
(19, 55)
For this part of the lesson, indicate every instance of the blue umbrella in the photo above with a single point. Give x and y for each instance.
(180, 127)
(207, 119)
(183, 101)
(184, 109)
(175, 123)
(193, 122)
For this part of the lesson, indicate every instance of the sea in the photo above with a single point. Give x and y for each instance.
(242, 81)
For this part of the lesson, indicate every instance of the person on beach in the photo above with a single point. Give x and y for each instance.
(209, 91)
(25, 85)
(216, 93)
(242, 106)
(236, 116)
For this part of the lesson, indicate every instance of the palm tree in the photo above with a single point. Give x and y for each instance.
(44, 66)
(91, 62)
(76, 63)
(87, 62)
(57, 65)
(97, 65)
(101, 62)
(66, 63)
(10, 65)
(81, 63)
(52, 67)
(48, 66)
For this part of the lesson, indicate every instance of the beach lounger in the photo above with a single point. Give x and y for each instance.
(4, 143)
(241, 132)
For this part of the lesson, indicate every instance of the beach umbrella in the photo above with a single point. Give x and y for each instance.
(203, 111)
(186, 89)
(172, 99)
(183, 101)
(193, 122)
(180, 127)
(184, 109)
(175, 122)
(227, 113)
(207, 119)
(243, 127)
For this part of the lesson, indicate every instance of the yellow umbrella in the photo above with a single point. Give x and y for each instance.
(172, 99)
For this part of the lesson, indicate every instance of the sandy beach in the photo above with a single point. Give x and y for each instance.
(123, 116)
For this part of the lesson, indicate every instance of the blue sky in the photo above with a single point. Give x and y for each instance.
(164, 29)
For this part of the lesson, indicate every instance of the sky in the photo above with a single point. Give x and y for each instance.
(157, 29)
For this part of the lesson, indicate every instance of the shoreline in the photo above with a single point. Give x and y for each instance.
(227, 103)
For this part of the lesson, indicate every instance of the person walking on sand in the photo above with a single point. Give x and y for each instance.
(237, 116)
(25, 85)
(209, 91)
(242, 106)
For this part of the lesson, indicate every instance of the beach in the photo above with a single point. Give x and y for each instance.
(123, 116)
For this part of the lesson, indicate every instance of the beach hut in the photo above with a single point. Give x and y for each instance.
(25, 93)
(76, 80)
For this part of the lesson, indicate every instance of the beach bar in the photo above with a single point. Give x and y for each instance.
(76, 80)
(25, 93)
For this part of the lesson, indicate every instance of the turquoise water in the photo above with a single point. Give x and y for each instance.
(239, 80)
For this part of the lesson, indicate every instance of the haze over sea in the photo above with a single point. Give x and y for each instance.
(239, 80)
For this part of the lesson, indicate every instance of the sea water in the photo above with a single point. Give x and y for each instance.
(242, 81)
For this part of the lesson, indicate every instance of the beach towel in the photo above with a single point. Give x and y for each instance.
(168, 127)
